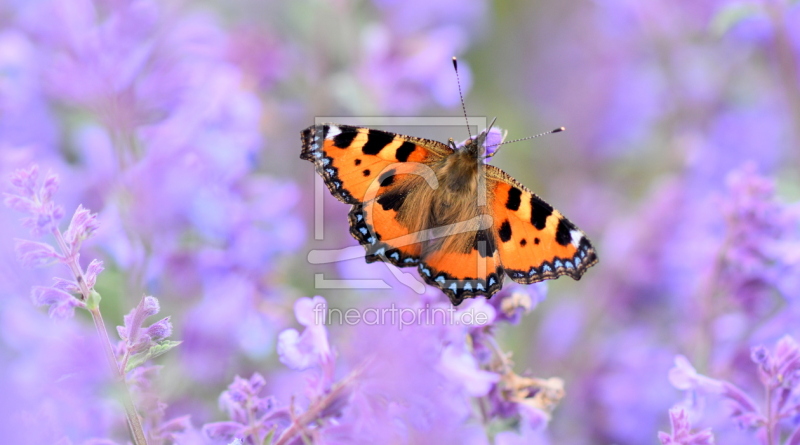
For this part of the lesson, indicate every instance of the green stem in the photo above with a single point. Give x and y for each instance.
(770, 421)
(134, 422)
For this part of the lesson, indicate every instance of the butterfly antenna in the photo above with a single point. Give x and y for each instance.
(463, 107)
(557, 130)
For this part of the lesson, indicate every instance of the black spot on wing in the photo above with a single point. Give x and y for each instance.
(387, 178)
(536, 241)
(540, 210)
(405, 150)
(358, 162)
(376, 141)
(392, 200)
(345, 138)
(484, 243)
(523, 242)
(505, 231)
(513, 201)
(563, 235)
(366, 173)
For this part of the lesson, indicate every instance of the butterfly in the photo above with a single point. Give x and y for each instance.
(462, 223)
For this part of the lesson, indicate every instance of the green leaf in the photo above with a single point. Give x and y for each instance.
(732, 14)
(93, 302)
(270, 436)
(156, 350)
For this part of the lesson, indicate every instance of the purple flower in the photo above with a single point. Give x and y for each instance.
(513, 302)
(462, 366)
(779, 373)
(681, 431)
(35, 254)
(494, 139)
(35, 200)
(140, 344)
(760, 225)
(83, 225)
(61, 304)
(253, 414)
(302, 351)
(684, 376)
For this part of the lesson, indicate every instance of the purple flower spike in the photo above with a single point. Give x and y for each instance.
(253, 414)
(36, 202)
(681, 431)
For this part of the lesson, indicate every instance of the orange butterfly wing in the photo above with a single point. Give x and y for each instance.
(465, 265)
(535, 241)
(349, 159)
(370, 169)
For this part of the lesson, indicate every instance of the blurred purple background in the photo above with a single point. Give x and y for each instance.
(178, 124)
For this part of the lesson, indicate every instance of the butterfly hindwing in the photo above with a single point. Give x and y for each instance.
(349, 159)
(464, 265)
(535, 241)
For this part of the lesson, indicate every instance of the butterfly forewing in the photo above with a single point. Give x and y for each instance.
(351, 158)
(535, 241)
(385, 176)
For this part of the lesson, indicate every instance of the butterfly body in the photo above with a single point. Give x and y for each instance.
(462, 223)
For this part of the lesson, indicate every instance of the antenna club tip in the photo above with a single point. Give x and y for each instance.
(455, 63)
(559, 129)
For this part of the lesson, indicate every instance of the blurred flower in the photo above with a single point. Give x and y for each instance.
(462, 366)
(35, 200)
(681, 431)
(684, 376)
(779, 373)
(302, 351)
(513, 302)
(756, 261)
(253, 415)
(404, 62)
(140, 344)
(529, 400)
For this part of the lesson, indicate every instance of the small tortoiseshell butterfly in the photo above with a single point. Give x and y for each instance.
(462, 223)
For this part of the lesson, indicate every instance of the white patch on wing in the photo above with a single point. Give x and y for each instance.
(333, 131)
(577, 236)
